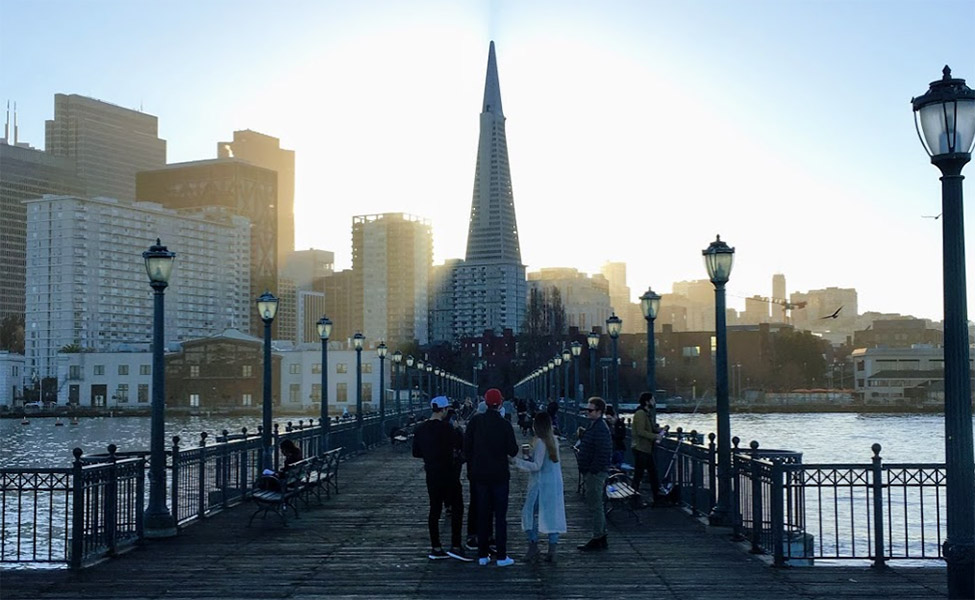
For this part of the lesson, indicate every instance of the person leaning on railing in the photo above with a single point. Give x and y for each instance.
(645, 434)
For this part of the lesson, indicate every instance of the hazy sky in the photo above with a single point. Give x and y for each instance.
(636, 130)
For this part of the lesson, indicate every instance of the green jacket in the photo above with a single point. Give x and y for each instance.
(644, 431)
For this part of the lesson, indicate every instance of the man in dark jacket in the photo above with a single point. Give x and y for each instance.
(438, 443)
(595, 450)
(488, 443)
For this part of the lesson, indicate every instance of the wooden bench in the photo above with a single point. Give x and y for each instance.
(324, 477)
(273, 494)
(619, 491)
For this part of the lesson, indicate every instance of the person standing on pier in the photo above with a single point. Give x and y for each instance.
(488, 443)
(439, 444)
(544, 509)
(595, 450)
(645, 434)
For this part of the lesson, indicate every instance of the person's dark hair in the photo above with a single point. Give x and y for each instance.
(542, 425)
(610, 411)
(645, 399)
(599, 403)
(288, 446)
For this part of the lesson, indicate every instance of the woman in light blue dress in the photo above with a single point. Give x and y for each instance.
(544, 510)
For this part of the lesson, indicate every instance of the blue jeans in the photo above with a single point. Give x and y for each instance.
(553, 538)
(492, 499)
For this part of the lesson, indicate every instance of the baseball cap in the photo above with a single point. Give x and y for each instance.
(493, 397)
(439, 403)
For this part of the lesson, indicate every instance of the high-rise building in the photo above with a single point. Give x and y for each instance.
(779, 314)
(266, 151)
(247, 189)
(586, 300)
(489, 291)
(308, 268)
(311, 307)
(392, 255)
(25, 173)
(620, 298)
(87, 279)
(342, 305)
(108, 144)
(817, 314)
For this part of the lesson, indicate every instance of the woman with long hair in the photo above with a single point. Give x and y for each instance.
(544, 510)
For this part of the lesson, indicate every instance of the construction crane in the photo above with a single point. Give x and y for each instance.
(785, 304)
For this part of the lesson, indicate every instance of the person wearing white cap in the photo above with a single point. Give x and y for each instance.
(438, 443)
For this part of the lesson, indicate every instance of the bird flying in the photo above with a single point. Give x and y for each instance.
(835, 314)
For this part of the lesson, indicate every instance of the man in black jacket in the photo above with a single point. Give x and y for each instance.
(439, 443)
(488, 443)
(595, 450)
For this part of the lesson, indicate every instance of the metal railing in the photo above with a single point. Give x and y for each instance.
(80, 514)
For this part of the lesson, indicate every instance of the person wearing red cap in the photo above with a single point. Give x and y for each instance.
(488, 443)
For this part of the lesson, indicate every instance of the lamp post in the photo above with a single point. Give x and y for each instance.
(650, 303)
(945, 121)
(267, 307)
(397, 361)
(438, 381)
(159, 521)
(566, 359)
(420, 370)
(429, 369)
(613, 326)
(576, 349)
(556, 363)
(324, 331)
(409, 380)
(593, 340)
(357, 340)
(381, 351)
(552, 391)
(719, 258)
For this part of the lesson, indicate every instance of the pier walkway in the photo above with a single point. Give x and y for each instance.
(371, 541)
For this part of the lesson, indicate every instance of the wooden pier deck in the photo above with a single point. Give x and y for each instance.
(370, 541)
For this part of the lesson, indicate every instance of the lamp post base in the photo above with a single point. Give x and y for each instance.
(961, 560)
(159, 525)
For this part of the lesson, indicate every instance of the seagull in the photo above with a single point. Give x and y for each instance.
(835, 314)
(935, 217)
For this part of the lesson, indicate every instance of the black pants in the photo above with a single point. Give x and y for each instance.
(472, 512)
(492, 499)
(644, 462)
(445, 488)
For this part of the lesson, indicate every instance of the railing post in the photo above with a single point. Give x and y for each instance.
(223, 468)
(712, 470)
(77, 511)
(174, 489)
(879, 560)
(697, 477)
(736, 523)
(243, 462)
(275, 435)
(202, 481)
(140, 499)
(111, 502)
(778, 521)
(756, 475)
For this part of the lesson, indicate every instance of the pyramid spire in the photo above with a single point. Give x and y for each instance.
(492, 88)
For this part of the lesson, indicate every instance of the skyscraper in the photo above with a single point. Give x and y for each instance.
(266, 151)
(490, 284)
(108, 144)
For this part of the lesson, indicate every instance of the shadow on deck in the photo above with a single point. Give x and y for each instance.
(371, 541)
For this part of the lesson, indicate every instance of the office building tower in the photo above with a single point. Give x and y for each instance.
(266, 151)
(108, 144)
(586, 300)
(779, 309)
(311, 307)
(343, 305)
(308, 268)
(87, 284)
(490, 284)
(392, 255)
(248, 190)
(620, 298)
(25, 173)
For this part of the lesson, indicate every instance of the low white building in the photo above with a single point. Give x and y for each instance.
(12, 379)
(903, 376)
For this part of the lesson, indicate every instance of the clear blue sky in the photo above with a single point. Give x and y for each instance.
(636, 130)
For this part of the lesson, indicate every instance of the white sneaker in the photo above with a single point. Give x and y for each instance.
(484, 561)
(506, 562)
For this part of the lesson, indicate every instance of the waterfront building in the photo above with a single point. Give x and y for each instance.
(12, 379)
(25, 173)
(899, 376)
(586, 300)
(266, 151)
(392, 255)
(898, 333)
(87, 280)
(108, 144)
(246, 189)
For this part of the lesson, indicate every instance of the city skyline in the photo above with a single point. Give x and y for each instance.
(663, 114)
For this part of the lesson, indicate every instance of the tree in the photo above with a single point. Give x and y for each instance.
(543, 329)
(798, 360)
(12, 334)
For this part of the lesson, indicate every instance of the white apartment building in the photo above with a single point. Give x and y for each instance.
(87, 284)
(12, 379)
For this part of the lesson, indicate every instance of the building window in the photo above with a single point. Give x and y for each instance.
(194, 370)
(366, 392)
(316, 392)
(342, 392)
(123, 369)
(294, 393)
(247, 400)
(367, 368)
(247, 371)
(194, 400)
(143, 393)
(74, 372)
(145, 369)
(341, 368)
(295, 369)
(316, 369)
(99, 370)
(690, 351)
(122, 393)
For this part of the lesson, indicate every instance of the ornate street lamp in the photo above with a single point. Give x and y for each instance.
(566, 359)
(945, 122)
(719, 258)
(593, 340)
(409, 379)
(267, 307)
(650, 303)
(556, 362)
(614, 325)
(420, 369)
(324, 331)
(397, 361)
(159, 522)
(429, 369)
(381, 351)
(552, 388)
(357, 340)
(576, 349)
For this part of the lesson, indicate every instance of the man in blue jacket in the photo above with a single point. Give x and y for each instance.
(595, 451)
(489, 441)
